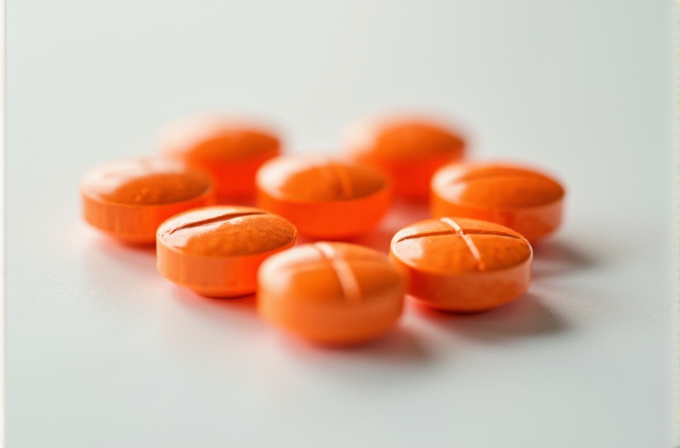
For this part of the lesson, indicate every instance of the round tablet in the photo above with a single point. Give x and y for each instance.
(409, 149)
(463, 265)
(129, 199)
(322, 197)
(331, 293)
(216, 251)
(517, 197)
(229, 149)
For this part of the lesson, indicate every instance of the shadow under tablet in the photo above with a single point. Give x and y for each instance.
(402, 214)
(524, 317)
(401, 345)
(243, 304)
(109, 260)
(555, 257)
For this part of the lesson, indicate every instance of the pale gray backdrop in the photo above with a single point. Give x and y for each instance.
(103, 352)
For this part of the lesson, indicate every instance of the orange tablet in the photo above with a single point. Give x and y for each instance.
(331, 293)
(129, 199)
(521, 198)
(216, 251)
(322, 197)
(229, 149)
(463, 265)
(409, 149)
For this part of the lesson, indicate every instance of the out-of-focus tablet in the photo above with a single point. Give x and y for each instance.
(324, 198)
(129, 199)
(409, 149)
(514, 196)
(229, 149)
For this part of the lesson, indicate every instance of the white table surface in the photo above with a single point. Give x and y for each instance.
(104, 352)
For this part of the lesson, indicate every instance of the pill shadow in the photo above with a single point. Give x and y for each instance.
(402, 345)
(554, 257)
(214, 306)
(136, 258)
(525, 317)
(378, 239)
(207, 333)
(401, 214)
(192, 320)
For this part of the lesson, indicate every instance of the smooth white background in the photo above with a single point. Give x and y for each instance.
(103, 352)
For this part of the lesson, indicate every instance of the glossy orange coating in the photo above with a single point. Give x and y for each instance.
(129, 199)
(462, 265)
(331, 293)
(216, 251)
(324, 198)
(409, 149)
(517, 197)
(229, 149)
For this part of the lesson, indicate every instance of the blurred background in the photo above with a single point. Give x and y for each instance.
(543, 81)
(103, 352)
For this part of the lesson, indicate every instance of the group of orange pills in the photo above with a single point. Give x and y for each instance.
(473, 255)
